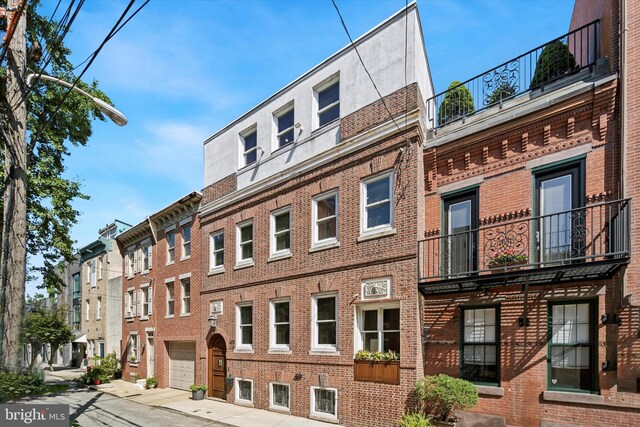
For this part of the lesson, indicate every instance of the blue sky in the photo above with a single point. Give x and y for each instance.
(181, 70)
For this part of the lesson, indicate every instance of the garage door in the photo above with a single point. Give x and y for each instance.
(182, 364)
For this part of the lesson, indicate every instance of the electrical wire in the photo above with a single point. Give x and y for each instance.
(7, 42)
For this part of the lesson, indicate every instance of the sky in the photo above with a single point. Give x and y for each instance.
(182, 69)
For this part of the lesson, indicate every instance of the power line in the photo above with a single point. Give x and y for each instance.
(14, 21)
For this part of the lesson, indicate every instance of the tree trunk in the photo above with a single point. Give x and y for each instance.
(54, 350)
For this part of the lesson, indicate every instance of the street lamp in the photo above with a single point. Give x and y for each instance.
(113, 113)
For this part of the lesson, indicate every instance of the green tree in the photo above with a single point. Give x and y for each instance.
(502, 92)
(457, 103)
(50, 215)
(45, 324)
(554, 61)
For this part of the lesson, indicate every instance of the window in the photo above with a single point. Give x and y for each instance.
(325, 323)
(129, 304)
(558, 192)
(186, 296)
(134, 348)
(285, 128)
(100, 268)
(461, 221)
(145, 301)
(572, 353)
(280, 325)
(281, 232)
(244, 391)
(380, 329)
(244, 332)
(250, 145)
(186, 241)
(216, 245)
(324, 402)
(99, 311)
(92, 272)
(170, 299)
(101, 348)
(245, 242)
(76, 316)
(88, 306)
(130, 263)
(480, 353)
(171, 247)
(377, 206)
(329, 104)
(279, 396)
(325, 218)
(146, 257)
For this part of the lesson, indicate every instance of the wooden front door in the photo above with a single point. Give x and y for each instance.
(217, 367)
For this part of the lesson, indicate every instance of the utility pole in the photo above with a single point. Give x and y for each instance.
(14, 221)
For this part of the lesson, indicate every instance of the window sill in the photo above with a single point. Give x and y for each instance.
(317, 352)
(244, 264)
(144, 318)
(133, 364)
(324, 246)
(280, 256)
(214, 271)
(370, 235)
(185, 258)
(129, 319)
(326, 418)
(185, 314)
(244, 350)
(488, 390)
(170, 263)
(279, 351)
(170, 316)
(280, 409)
(245, 403)
(573, 397)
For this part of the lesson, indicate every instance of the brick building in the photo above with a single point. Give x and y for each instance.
(526, 268)
(161, 321)
(310, 215)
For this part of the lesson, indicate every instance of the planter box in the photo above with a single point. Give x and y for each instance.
(377, 372)
(197, 395)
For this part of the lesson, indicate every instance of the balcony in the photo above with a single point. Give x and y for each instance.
(567, 55)
(587, 243)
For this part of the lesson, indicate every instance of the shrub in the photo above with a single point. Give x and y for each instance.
(376, 356)
(414, 420)
(14, 385)
(554, 61)
(196, 387)
(442, 395)
(151, 382)
(457, 103)
(109, 365)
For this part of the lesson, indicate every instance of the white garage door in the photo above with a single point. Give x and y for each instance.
(182, 364)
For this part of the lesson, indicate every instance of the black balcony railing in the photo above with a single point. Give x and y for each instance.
(578, 239)
(565, 55)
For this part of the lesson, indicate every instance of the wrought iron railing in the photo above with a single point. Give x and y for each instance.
(597, 232)
(554, 60)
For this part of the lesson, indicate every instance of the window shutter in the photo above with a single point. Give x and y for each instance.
(134, 306)
(139, 252)
(125, 304)
(88, 272)
(135, 261)
(150, 299)
(150, 252)
(140, 302)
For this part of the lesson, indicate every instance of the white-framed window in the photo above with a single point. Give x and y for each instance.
(279, 396)
(146, 301)
(281, 232)
(280, 324)
(88, 272)
(129, 303)
(186, 241)
(245, 242)
(325, 218)
(185, 308)
(244, 391)
(244, 330)
(146, 257)
(99, 310)
(378, 328)
(328, 98)
(134, 348)
(377, 203)
(130, 263)
(325, 322)
(216, 250)
(285, 126)
(88, 308)
(170, 298)
(249, 140)
(324, 403)
(100, 268)
(92, 273)
(171, 246)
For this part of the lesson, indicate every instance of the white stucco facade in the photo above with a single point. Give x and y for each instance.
(383, 52)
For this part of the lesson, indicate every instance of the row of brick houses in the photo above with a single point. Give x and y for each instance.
(492, 240)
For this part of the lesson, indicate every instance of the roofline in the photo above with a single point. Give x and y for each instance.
(338, 54)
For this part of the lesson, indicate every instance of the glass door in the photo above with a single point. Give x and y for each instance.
(460, 244)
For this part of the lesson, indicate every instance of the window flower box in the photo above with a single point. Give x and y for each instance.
(383, 372)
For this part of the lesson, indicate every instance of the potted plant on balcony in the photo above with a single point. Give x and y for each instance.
(442, 395)
(508, 258)
(133, 359)
(151, 382)
(376, 366)
(197, 391)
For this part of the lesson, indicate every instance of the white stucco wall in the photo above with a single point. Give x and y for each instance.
(383, 52)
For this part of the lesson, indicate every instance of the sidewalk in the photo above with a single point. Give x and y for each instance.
(210, 409)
